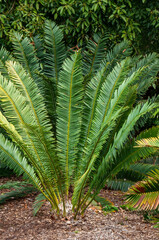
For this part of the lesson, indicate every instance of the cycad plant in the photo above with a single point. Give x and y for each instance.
(66, 117)
(145, 194)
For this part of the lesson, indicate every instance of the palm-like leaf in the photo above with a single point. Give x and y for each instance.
(4, 56)
(25, 53)
(53, 58)
(149, 142)
(68, 114)
(55, 50)
(136, 172)
(145, 194)
(128, 177)
(96, 50)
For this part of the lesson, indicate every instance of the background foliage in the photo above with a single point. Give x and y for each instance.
(135, 20)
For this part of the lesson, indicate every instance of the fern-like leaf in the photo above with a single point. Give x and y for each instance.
(68, 113)
(145, 194)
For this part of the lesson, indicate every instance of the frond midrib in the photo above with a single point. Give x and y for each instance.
(112, 90)
(68, 127)
(25, 57)
(56, 69)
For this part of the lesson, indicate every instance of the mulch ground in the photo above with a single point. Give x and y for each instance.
(18, 223)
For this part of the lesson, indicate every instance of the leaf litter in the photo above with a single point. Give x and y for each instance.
(18, 223)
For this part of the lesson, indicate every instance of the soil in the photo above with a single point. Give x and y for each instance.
(18, 223)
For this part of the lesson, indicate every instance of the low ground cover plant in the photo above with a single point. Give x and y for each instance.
(69, 115)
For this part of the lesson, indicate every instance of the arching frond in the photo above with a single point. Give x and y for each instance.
(55, 50)
(13, 158)
(129, 154)
(149, 142)
(145, 194)
(4, 56)
(14, 105)
(24, 52)
(55, 54)
(40, 200)
(108, 165)
(150, 62)
(94, 54)
(91, 101)
(21, 189)
(68, 113)
(129, 176)
(39, 49)
(116, 55)
(129, 103)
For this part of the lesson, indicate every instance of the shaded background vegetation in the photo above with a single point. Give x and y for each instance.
(135, 20)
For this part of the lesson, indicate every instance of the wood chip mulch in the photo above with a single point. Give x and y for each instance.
(18, 223)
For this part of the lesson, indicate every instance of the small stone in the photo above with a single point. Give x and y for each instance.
(84, 228)
(68, 222)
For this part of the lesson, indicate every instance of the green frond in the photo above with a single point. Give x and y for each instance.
(24, 52)
(94, 54)
(89, 106)
(108, 166)
(129, 102)
(129, 154)
(120, 184)
(92, 152)
(35, 101)
(55, 51)
(69, 105)
(114, 85)
(100, 125)
(17, 193)
(13, 184)
(21, 116)
(14, 106)
(145, 194)
(13, 158)
(142, 168)
(18, 113)
(91, 101)
(121, 94)
(39, 201)
(108, 106)
(4, 56)
(55, 54)
(129, 176)
(39, 49)
(26, 148)
(136, 172)
(116, 55)
(29, 89)
(150, 62)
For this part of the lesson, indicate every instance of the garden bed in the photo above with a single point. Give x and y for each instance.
(18, 223)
